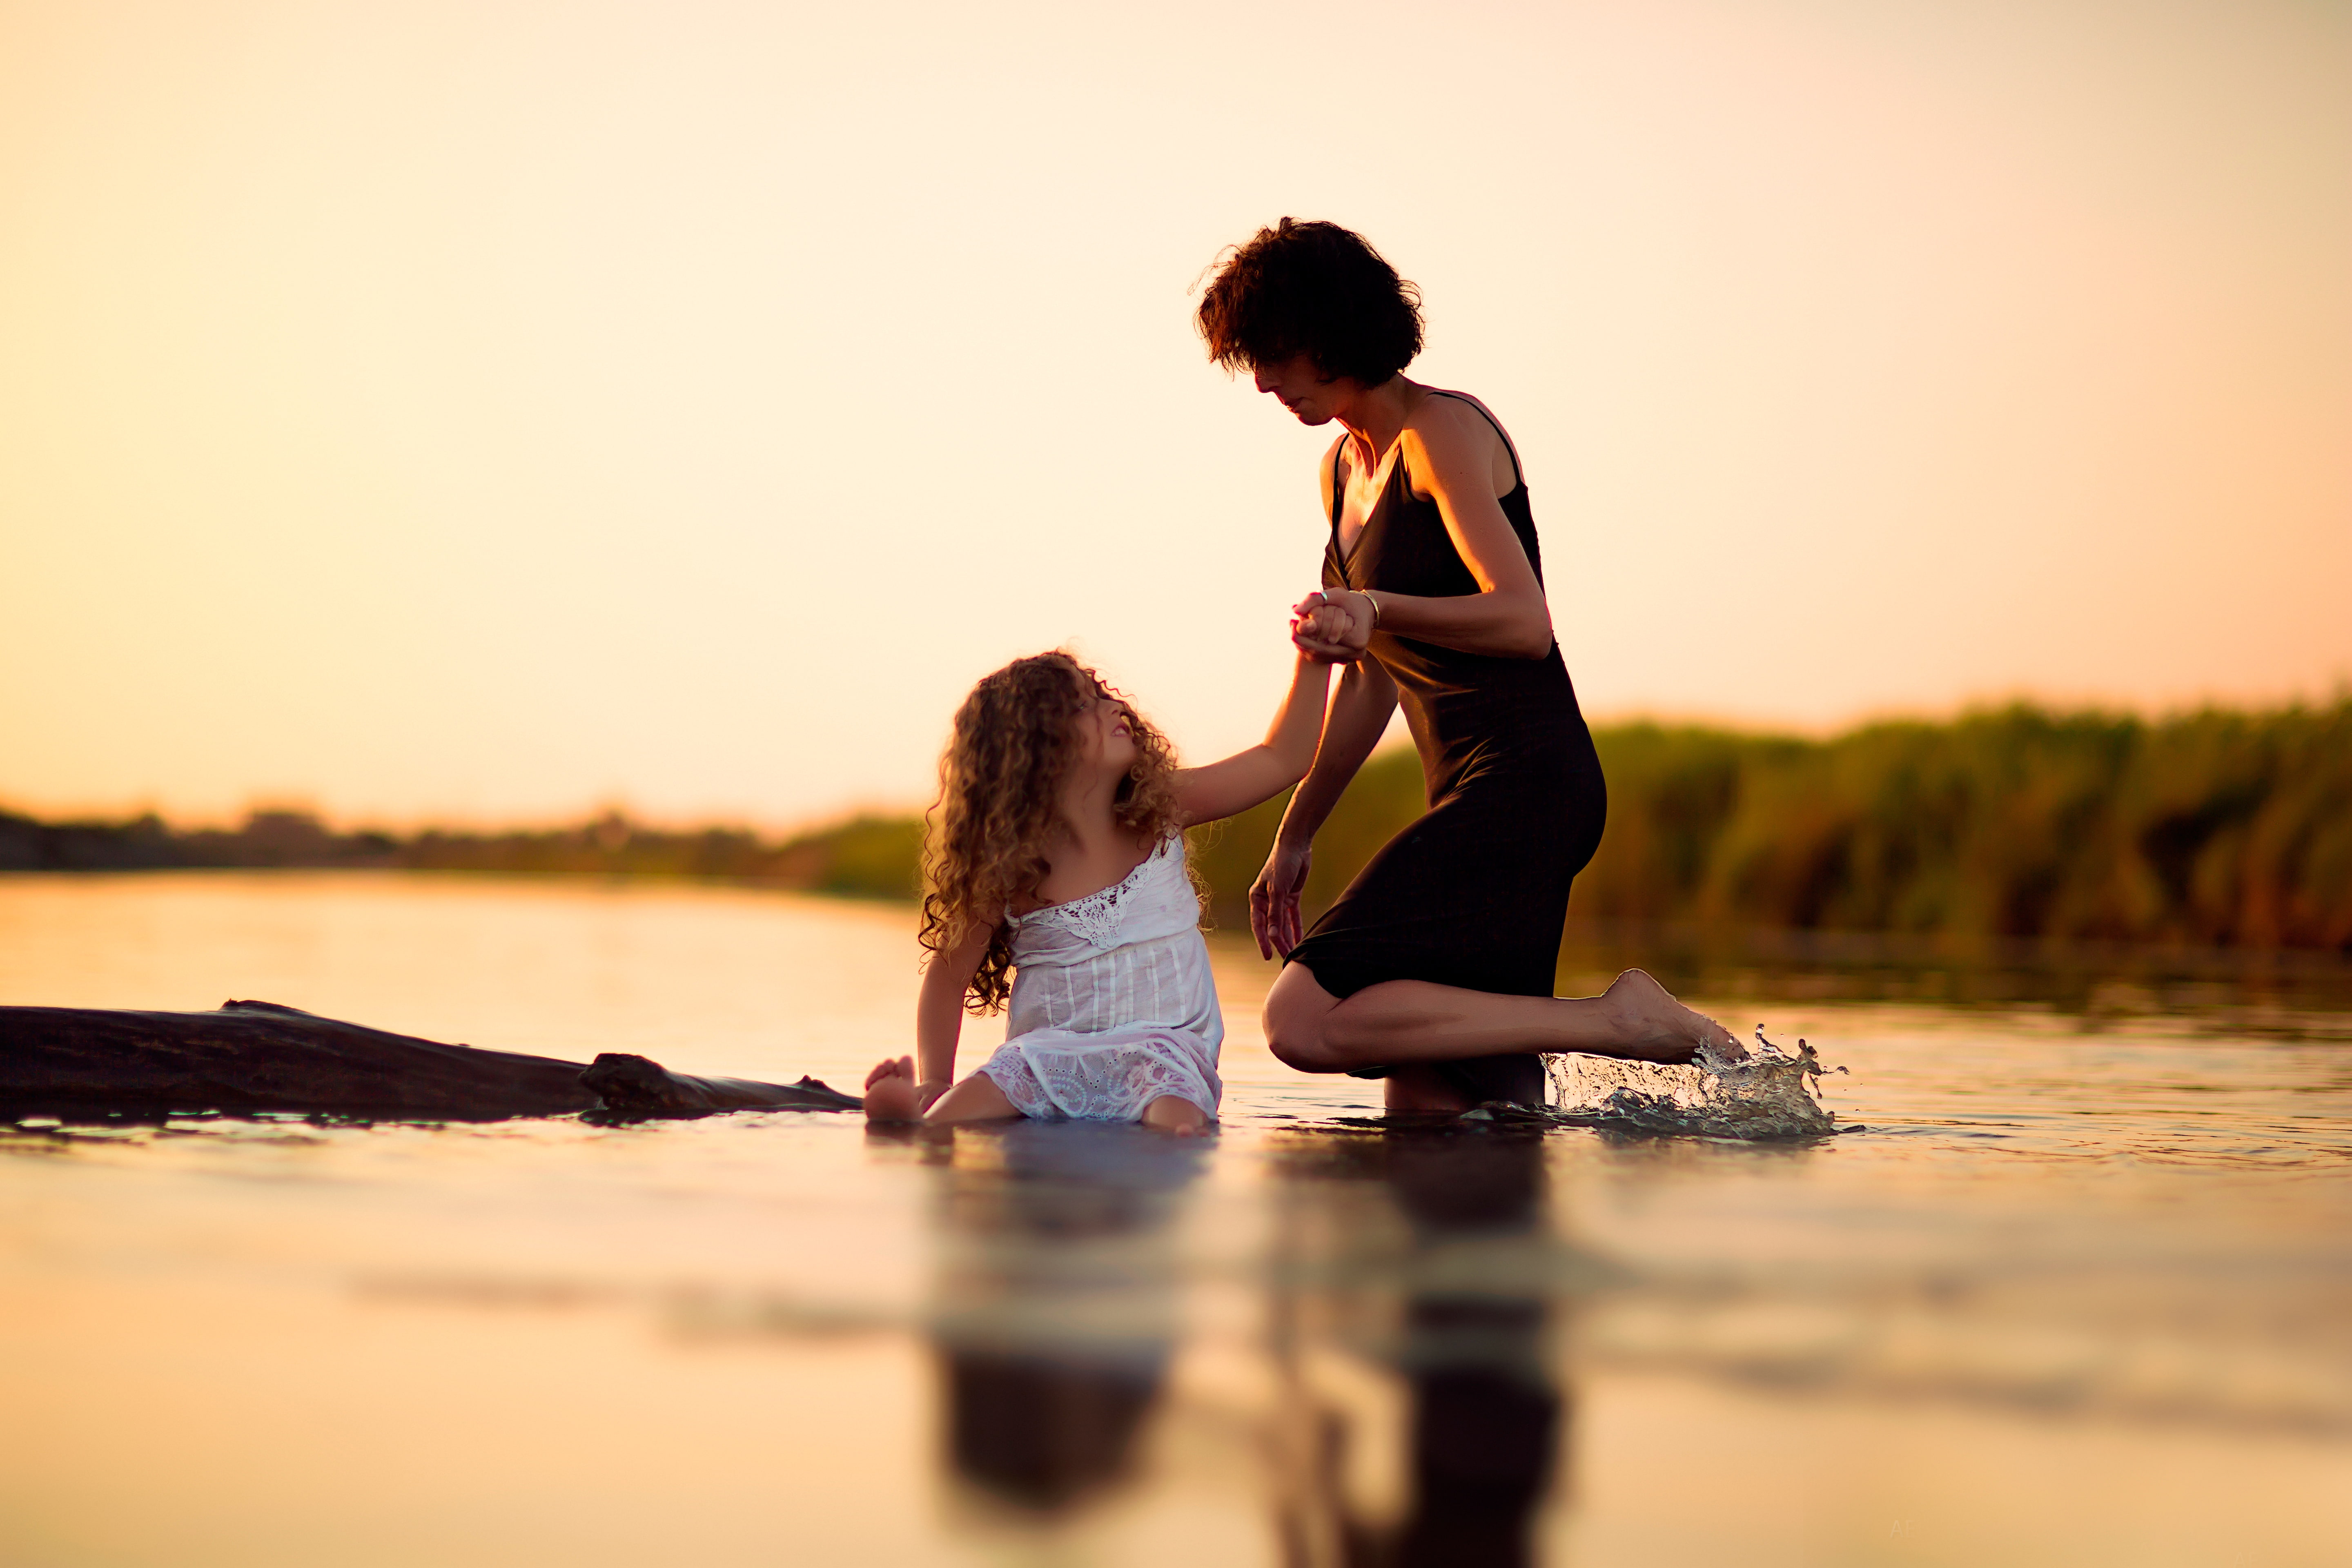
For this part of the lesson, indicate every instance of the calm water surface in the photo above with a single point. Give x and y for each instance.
(2079, 1295)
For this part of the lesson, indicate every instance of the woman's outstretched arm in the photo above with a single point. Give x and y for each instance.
(1359, 717)
(1267, 769)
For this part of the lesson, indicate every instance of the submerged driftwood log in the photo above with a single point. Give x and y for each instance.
(254, 1057)
(633, 1086)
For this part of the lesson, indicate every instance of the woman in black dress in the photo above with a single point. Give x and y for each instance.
(1434, 969)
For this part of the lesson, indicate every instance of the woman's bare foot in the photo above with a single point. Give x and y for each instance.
(1174, 1113)
(1660, 1029)
(890, 1093)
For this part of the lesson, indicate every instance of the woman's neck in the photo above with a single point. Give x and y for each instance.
(1375, 417)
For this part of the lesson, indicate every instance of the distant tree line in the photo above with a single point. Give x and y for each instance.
(865, 856)
(2219, 828)
(2216, 828)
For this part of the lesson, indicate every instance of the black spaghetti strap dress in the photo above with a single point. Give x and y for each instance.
(1474, 893)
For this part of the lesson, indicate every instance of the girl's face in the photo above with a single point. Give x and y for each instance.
(1106, 736)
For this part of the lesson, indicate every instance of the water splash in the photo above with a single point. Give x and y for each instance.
(1768, 1094)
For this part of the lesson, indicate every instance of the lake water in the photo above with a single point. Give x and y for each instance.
(2082, 1293)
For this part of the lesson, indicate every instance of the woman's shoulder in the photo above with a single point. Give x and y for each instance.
(1446, 416)
(1454, 429)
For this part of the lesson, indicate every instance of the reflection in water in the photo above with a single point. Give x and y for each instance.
(1414, 1418)
(2083, 1294)
(1041, 1433)
(1056, 1304)
(1420, 1250)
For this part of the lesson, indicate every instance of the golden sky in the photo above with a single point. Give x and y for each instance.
(481, 411)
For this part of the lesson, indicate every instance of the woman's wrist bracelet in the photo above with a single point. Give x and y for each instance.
(1375, 604)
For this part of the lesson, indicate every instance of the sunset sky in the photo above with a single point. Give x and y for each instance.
(485, 412)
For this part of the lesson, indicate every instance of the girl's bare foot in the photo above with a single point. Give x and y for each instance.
(1174, 1113)
(1660, 1029)
(890, 1094)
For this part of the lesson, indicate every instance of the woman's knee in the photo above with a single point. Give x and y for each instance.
(1295, 1039)
(1296, 1013)
(1302, 1048)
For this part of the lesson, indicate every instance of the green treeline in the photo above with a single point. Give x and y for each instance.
(865, 856)
(2216, 829)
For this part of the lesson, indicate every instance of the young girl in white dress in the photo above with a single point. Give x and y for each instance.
(1058, 884)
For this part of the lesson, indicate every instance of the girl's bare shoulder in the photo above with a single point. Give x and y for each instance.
(1069, 880)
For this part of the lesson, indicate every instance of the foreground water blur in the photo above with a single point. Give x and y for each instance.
(2082, 1292)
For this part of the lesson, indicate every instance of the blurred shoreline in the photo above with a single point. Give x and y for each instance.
(2014, 840)
(2278, 994)
(865, 856)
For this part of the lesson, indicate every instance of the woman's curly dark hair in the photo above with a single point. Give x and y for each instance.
(1000, 786)
(1314, 288)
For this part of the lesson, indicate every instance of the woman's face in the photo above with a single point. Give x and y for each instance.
(1303, 388)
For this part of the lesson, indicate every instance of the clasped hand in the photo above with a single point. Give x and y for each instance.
(1334, 625)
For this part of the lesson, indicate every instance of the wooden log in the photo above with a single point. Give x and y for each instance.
(632, 1086)
(252, 1056)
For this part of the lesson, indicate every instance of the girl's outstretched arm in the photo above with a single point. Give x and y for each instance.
(1267, 769)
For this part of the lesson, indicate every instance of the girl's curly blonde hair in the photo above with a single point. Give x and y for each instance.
(1000, 786)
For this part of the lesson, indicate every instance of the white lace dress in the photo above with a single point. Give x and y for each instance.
(1112, 1005)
